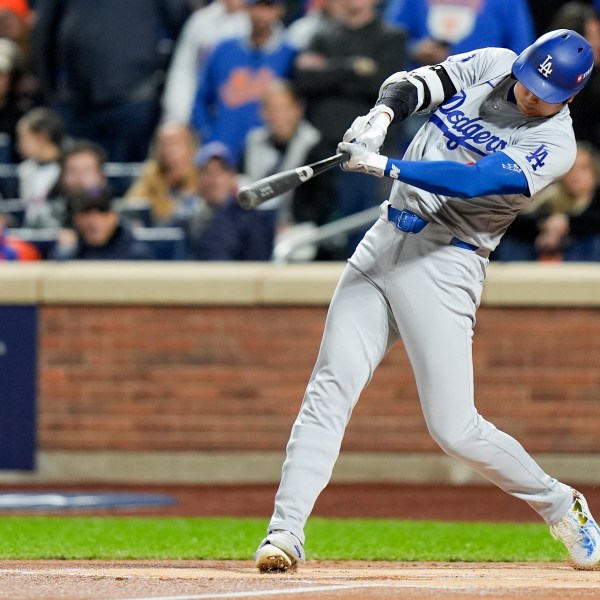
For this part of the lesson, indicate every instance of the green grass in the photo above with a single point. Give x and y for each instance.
(195, 538)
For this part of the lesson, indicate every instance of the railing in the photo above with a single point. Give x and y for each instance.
(119, 175)
(111, 169)
(284, 251)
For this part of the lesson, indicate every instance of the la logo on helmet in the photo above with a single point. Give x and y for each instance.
(545, 68)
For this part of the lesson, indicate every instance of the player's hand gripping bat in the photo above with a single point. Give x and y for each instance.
(250, 196)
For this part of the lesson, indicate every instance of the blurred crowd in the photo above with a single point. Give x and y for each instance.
(126, 128)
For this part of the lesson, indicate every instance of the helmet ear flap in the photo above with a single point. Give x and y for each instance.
(556, 66)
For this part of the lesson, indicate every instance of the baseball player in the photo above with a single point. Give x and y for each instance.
(499, 131)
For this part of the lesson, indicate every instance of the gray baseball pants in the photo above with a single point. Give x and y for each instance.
(417, 288)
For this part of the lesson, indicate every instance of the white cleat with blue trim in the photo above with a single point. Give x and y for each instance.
(279, 551)
(580, 534)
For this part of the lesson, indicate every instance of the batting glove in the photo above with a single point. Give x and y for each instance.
(362, 160)
(370, 129)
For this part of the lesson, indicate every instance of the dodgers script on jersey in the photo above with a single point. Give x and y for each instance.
(478, 120)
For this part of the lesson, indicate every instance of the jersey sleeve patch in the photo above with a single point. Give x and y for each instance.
(537, 158)
(512, 166)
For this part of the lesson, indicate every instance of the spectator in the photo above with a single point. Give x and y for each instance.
(100, 66)
(439, 28)
(169, 180)
(339, 76)
(15, 20)
(340, 72)
(563, 222)
(572, 231)
(12, 248)
(583, 19)
(219, 20)
(99, 231)
(285, 141)
(221, 229)
(302, 30)
(81, 169)
(518, 243)
(40, 139)
(237, 75)
(12, 107)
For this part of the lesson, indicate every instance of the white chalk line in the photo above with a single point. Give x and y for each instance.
(327, 588)
(279, 592)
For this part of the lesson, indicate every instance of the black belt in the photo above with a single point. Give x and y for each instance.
(409, 222)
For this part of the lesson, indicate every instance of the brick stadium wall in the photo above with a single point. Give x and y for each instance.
(231, 378)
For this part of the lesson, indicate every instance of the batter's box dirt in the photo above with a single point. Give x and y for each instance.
(195, 580)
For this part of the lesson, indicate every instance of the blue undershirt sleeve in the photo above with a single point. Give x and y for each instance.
(493, 174)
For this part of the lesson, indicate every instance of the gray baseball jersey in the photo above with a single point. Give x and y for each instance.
(477, 121)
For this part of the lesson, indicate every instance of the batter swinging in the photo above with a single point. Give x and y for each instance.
(499, 131)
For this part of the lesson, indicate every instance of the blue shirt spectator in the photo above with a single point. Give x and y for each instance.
(237, 74)
(439, 28)
(218, 20)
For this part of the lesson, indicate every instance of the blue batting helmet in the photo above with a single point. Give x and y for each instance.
(556, 66)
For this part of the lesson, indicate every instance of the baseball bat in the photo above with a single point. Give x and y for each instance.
(250, 196)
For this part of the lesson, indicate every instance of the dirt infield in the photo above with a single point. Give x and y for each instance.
(191, 580)
(315, 580)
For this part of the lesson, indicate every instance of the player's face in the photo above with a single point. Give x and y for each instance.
(532, 106)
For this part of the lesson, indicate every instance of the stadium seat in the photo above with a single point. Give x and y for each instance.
(43, 239)
(9, 181)
(13, 210)
(122, 175)
(137, 211)
(584, 249)
(167, 243)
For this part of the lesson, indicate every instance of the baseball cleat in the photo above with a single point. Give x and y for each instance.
(278, 552)
(578, 531)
